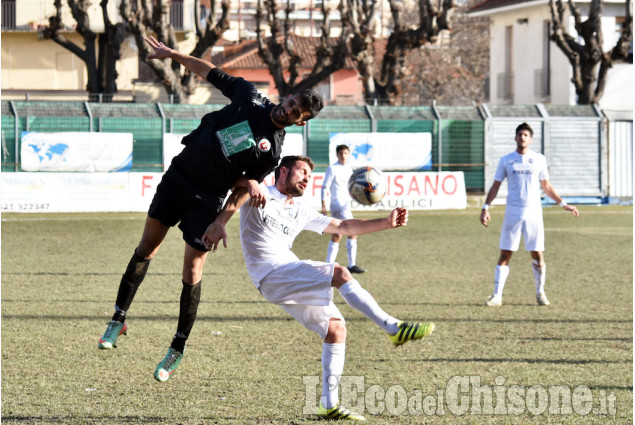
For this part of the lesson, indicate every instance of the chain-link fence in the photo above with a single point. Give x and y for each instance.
(464, 138)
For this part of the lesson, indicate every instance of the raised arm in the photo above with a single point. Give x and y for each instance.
(196, 65)
(216, 231)
(551, 192)
(357, 226)
(491, 195)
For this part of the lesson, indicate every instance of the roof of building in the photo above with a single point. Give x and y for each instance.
(244, 55)
(495, 4)
(614, 115)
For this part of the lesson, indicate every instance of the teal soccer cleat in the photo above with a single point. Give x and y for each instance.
(109, 338)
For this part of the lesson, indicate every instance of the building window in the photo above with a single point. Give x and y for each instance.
(542, 88)
(619, 25)
(8, 14)
(324, 88)
(506, 78)
(176, 14)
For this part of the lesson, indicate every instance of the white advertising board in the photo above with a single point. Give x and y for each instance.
(112, 192)
(69, 151)
(387, 151)
(77, 192)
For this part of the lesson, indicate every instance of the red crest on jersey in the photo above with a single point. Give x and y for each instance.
(264, 145)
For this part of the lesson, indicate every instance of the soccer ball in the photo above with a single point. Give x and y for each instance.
(367, 185)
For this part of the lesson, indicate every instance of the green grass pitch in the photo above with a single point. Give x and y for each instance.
(246, 359)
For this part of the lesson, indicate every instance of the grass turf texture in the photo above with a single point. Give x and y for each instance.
(59, 281)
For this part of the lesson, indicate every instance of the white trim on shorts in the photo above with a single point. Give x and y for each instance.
(524, 222)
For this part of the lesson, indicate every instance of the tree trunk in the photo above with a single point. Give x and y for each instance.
(153, 17)
(589, 63)
(100, 69)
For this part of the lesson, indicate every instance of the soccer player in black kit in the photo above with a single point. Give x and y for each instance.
(237, 146)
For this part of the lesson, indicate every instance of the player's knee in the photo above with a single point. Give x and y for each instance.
(504, 258)
(146, 251)
(337, 332)
(341, 275)
(192, 275)
(336, 238)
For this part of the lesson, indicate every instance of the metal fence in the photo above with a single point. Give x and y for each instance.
(464, 138)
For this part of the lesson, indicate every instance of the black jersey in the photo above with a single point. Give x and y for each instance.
(238, 140)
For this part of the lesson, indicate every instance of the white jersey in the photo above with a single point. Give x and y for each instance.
(524, 173)
(336, 181)
(267, 234)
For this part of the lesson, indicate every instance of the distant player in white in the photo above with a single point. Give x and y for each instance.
(526, 172)
(336, 182)
(304, 288)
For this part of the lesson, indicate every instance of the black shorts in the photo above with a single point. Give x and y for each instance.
(178, 201)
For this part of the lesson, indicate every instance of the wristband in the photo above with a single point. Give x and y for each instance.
(562, 203)
(485, 207)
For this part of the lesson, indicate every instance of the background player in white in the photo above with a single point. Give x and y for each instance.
(526, 172)
(336, 182)
(305, 288)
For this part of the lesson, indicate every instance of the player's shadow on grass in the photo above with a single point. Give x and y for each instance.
(517, 360)
(556, 338)
(270, 318)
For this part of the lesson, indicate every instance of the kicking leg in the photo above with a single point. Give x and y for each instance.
(362, 301)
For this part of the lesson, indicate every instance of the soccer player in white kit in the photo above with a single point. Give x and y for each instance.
(336, 182)
(304, 288)
(526, 172)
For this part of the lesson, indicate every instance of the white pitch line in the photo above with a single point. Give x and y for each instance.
(69, 218)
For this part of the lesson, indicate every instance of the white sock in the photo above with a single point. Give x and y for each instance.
(331, 252)
(351, 250)
(500, 277)
(359, 298)
(332, 368)
(540, 272)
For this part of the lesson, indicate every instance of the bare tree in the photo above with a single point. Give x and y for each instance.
(146, 17)
(100, 63)
(280, 55)
(585, 58)
(384, 84)
(454, 71)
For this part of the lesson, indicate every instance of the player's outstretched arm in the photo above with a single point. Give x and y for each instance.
(551, 192)
(196, 65)
(357, 226)
(216, 231)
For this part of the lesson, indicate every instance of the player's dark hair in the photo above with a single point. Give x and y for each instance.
(311, 101)
(289, 161)
(339, 148)
(525, 126)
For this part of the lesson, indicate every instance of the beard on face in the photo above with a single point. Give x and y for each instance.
(293, 189)
(278, 115)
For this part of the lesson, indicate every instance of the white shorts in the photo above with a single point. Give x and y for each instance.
(342, 214)
(525, 222)
(303, 289)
